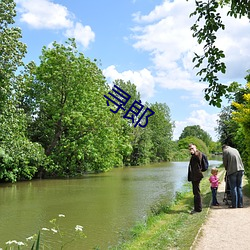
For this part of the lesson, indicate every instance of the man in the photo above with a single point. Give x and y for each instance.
(235, 169)
(195, 175)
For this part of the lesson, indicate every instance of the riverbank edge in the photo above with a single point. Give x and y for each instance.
(171, 226)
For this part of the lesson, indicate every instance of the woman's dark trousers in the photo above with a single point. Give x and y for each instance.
(197, 196)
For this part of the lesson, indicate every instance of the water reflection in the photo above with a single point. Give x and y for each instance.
(104, 204)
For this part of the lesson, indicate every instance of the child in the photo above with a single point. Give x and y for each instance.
(214, 185)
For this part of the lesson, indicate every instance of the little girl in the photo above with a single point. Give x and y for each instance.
(214, 185)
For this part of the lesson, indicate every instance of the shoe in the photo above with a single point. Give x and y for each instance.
(194, 212)
(217, 204)
(231, 207)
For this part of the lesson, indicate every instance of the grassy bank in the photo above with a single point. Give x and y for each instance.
(170, 227)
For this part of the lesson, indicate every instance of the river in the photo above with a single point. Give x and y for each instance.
(105, 204)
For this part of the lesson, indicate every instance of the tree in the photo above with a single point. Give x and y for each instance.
(12, 50)
(131, 134)
(208, 23)
(183, 144)
(227, 127)
(196, 131)
(20, 158)
(69, 115)
(242, 117)
(229, 130)
(161, 132)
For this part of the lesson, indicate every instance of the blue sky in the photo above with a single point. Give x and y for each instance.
(148, 42)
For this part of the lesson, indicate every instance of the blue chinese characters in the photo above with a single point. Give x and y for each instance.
(133, 112)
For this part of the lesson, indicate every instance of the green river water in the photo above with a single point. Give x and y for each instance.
(104, 204)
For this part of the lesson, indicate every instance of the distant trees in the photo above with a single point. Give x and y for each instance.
(227, 127)
(184, 142)
(196, 131)
(161, 133)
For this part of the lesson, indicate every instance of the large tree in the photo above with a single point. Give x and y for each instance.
(210, 63)
(19, 157)
(69, 115)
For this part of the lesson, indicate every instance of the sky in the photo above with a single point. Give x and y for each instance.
(147, 42)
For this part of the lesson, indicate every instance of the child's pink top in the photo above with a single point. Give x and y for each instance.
(214, 181)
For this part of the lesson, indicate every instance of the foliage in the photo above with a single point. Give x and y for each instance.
(205, 28)
(12, 50)
(201, 146)
(68, 114)
(227, 127)
(196, 131)
(161, 132)
(20, 158)
(241, 115)
(215, 148)
(133, 136)
(152, 143)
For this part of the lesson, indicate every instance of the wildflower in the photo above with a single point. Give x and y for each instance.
(54, 230)
(29, 238)
(78, 228)
(10, 242)
(45, 229)
(61, 215)
(20, 243)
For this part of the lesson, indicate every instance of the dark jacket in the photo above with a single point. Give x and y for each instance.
(194, 168)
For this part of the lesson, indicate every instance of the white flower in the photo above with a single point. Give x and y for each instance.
(29, 238)
(45, 229)
(20, 243)
(78, 228)
(61, 215)
(54, 230)
(10, 242)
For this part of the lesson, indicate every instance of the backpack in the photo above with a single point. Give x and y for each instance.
(204, 163)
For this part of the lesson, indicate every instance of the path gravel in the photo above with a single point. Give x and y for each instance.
(225, 228)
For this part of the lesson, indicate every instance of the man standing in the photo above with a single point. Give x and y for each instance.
(235, 169)
(195, 175)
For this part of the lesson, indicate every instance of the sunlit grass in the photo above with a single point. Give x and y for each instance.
(170, 226)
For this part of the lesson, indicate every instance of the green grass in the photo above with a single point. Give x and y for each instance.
(170, 226)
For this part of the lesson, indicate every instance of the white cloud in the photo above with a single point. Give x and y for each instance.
(200, 117)
(44, 14)
(143, 79)
(165, 33)
(83, 34)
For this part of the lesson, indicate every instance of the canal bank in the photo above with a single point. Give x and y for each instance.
(173, 227)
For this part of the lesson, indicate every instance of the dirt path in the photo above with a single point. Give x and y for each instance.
(225, 228)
